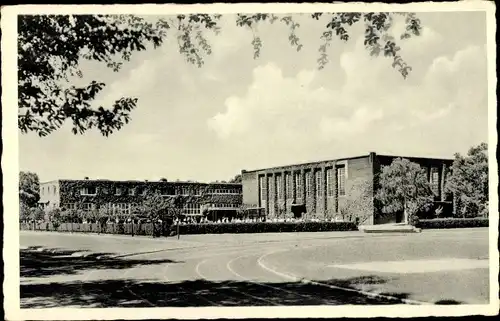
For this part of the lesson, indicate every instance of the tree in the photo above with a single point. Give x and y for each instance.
(55, 217)
(403, 186)
(24, 212)
(29, 189)
(51, 47)
(32, 214)
(468, 181)
(93, 215)
(71, 215)
(236, 179)
(153, 207)
(358, 202)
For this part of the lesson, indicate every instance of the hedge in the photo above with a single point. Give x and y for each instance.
(208, 228)
(119, 228)
(445, 223)
(267, 227)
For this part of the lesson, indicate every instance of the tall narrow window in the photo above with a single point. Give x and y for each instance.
(434, 180)
(279, 187)
(298, 185)
(309, 182)
(289, 186)
(262, 188)
(319, 184)
(330, 187)
(272, 189)
(341, 180)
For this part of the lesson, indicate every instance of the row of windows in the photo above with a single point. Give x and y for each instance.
(92, 190)
(224, 191)
(125, 208)
(223, 205)
(114, 208)
(313, 182)
(191, 209)
(48, 190)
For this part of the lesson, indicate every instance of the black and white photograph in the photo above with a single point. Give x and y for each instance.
(264, 160)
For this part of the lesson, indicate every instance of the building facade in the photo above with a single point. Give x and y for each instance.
(327, 188)
(121, 196)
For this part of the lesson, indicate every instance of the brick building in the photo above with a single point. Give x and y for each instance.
(120, 196)
(326, 187)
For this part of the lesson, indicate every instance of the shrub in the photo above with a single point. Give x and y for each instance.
(54, 216)
(266, 227)
(209, 228)
(453, 223)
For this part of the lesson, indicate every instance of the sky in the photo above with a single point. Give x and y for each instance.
(237, 112)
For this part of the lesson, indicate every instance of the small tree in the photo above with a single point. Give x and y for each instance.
(154, 207)
(403, 186)
(105, 213)
(34, 214)
(358, 203)
(24, 212)
(468, 181)
(176, 204)
(281, 209)
(93, 215)
(54, 217)
(72, 216)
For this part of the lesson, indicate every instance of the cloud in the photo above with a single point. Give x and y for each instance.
(274, 105)
(373, 101)
(236, 112)
(355, 124)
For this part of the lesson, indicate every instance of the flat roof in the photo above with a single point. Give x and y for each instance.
(419, 157)
(138, 181)
(305, 163)
(345, 158)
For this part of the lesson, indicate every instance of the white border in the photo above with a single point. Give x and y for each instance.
(10, 167)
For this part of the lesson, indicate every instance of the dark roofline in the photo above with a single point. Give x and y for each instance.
(417, 157)
(139, 181)
(342, 159)
(51, 181)
(307, 163)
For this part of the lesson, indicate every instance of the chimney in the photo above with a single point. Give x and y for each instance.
(372, 157)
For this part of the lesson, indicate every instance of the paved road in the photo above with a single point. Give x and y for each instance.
(254, 269)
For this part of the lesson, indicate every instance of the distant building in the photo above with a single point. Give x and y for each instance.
(324, 187)
(120, 196)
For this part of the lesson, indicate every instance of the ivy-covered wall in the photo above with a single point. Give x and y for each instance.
(136, 191)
